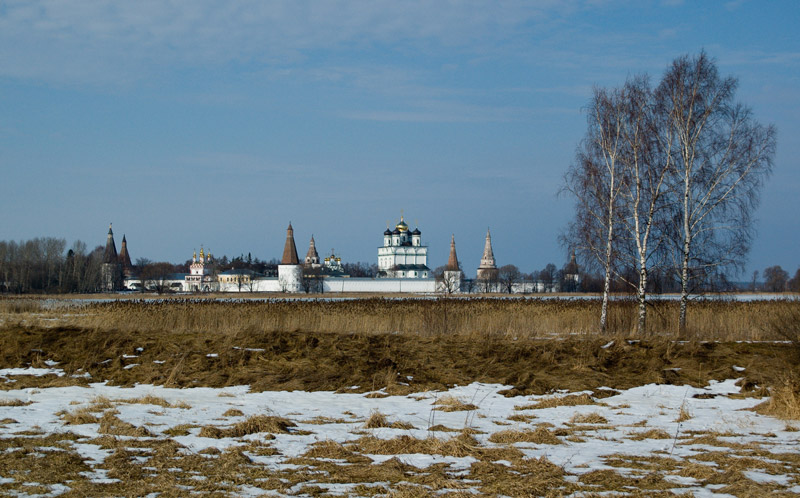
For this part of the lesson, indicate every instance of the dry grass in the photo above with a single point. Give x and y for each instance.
(569, 400)
(155, 400)
(442, 428)
(518, 417)
(520, 318)
(331, 361)
(785, 324)
(784, 402)
(180, 430)
(651, 434)
(112, 425)
(539, 436)
(100, 404)
(459, 446)
(252, 425)
(147, 465)
(335, 451)
(376, 419)
(14, 402)
(452, 404)
(588, 418)
(377, 344)
(322, 420)
(79, 417)
(683, 414)
(17, 305)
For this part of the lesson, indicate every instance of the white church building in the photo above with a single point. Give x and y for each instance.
(402, 254)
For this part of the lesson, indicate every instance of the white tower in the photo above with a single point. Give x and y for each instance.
(290, 271)
(488, 268)
(451, 279)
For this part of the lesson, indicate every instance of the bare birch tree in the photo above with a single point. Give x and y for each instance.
(673, 171)
(721, 158)
(594, 181)
(645, 165)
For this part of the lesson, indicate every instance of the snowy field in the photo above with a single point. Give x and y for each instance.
(471, 440)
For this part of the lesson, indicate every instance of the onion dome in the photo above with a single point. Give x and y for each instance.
(402, 225)
(416, 232)
(396, 231)
(387, 232)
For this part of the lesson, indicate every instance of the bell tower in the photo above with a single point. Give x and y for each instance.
(488, 268)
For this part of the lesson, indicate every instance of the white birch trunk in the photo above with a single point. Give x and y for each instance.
(687, 240)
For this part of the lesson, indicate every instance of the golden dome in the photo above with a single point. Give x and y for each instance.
(402, 225)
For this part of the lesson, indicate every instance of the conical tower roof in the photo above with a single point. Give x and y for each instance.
(110, 255)
(290, 249)
(452, 261)
(487, 260)
(124, 257)
(312, 257)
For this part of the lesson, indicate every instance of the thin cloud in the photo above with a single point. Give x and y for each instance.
(444, 112)
(121, 41)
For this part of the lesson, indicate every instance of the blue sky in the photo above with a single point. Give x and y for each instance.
(217, 123)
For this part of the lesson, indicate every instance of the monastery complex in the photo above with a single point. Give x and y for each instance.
(402, 268)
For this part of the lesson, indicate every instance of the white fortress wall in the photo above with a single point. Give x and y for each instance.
(420, 285)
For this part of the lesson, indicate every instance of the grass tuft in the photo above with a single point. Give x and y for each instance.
(588, 418)
(553, 402)
(157, 401)
(252, 425)
(539, 436)
(14, 402)
(683, 414)
(784, 402)
(79, 417)
(112, 425)
(376, 419)
(651, 434)
(452, 404)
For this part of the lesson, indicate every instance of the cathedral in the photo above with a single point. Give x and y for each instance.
(402, 254)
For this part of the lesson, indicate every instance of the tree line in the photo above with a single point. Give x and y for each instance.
(776, 279)
(45, 265)
(665, 182)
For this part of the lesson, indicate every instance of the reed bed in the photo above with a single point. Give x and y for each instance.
(536, 346)
(712, 320)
